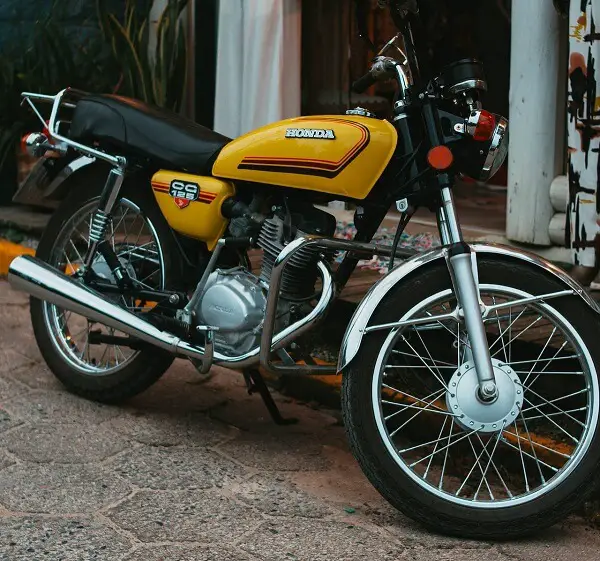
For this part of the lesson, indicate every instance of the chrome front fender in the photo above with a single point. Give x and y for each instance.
(355, 331)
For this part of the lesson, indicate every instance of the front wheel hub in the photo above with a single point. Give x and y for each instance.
(471, 412)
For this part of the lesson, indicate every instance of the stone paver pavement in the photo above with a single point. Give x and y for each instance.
(197, 472)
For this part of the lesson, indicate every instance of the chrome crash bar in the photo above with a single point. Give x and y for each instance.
(46, 283)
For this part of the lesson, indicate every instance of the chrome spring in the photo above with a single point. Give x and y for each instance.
(98, 226)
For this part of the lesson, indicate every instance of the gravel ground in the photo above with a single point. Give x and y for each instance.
(197, 472)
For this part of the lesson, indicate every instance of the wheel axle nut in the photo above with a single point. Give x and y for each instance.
(488, 389)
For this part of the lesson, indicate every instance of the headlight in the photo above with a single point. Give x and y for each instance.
(482, 159)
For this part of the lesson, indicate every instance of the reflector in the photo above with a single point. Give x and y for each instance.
(440, 158)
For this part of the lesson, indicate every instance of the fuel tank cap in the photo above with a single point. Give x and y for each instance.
(360, 111)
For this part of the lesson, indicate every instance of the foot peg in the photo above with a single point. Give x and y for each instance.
(206, 362)
(256, 383)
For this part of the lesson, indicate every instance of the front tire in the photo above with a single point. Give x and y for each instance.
(497, 483)
(104, 373)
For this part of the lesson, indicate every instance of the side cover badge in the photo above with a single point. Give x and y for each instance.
(184, 193)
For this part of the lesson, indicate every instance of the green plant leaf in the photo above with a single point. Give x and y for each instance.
(130, 51)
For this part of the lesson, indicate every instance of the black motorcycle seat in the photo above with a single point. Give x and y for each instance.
(132, 126)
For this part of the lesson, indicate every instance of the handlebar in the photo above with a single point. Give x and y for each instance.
(382, 69)
(364, 83)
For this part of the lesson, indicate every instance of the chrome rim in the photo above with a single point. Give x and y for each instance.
(136, 243)
(437, 435)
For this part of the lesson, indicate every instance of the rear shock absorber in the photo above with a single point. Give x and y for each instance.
(99, 226)
(102, 216)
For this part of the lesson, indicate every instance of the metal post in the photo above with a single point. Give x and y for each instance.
(534, 94)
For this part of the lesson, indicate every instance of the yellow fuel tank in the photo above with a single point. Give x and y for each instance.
(339, 155)
(192, 204)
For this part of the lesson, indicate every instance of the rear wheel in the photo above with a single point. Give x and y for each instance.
(435, 450)
(141, 240)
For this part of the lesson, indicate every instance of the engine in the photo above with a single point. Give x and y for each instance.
(234, 300)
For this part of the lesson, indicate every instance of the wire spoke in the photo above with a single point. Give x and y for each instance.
(555, 423)
(123, 214)
(519, 334)
(438, 362)
(546, 402)
(150, 275)
(438, 378)
(441, 449)
(435, 409)
(436, 445)
(426, 408)
(536, 443)
(487, 467)
(475, 464)
(411, 366)
(436, 393)
(507, 329)
(546, 366)
(441, 483)
(558, 413)
(550, 401)
(479, 465)
(508, 492)
(101, 361)
(553, 372)
(544, 359)
(500, 330)
(79, 258)
(442, 324)
(134, 248)
(533, 457)
(522, 459)
(87, 342)
(540, 355)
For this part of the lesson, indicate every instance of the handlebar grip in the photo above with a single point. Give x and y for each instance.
(363, 83)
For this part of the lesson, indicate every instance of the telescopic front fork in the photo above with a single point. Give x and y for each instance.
(463, 272)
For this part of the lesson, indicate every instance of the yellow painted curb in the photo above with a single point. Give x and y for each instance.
(8, 251)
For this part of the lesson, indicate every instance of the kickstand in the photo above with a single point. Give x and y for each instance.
(256, 383)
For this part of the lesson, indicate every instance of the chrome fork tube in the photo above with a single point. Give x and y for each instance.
(464, 278)
(442, 222)
(448, 220)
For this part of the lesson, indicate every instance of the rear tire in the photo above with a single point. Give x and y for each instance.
(407, 493)
(143, 368)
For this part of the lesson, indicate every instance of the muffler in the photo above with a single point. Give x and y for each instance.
(39, 279)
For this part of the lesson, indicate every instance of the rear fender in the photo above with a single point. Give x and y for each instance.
(43, 185)
(355, 331)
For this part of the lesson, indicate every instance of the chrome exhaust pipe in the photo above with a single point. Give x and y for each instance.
(39, 279)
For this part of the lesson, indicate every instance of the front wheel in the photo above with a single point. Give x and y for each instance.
(440, 454)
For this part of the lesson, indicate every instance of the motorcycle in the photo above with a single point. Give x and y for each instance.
(470, 388)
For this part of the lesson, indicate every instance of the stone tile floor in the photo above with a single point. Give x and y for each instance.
(197, 472)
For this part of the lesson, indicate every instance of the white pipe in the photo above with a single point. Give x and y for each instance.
(534, 87)
(559, 193)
